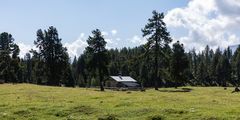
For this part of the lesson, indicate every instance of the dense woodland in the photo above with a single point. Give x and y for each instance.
(154, 64)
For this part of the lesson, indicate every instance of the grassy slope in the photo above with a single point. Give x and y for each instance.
(25, 101)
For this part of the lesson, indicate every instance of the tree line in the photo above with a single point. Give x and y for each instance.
(154, 64)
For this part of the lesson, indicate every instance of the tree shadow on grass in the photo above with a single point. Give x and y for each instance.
(177, 90)
(99, 90)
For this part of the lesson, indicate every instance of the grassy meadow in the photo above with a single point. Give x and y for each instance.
(32, 102)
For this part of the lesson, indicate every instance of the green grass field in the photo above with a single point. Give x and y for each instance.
(24, 101)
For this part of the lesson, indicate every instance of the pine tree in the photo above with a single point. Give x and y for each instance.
(68, 77)
(224, 69)
(54, 55)
(201, 72)
(75, 74)
(28, 63)
(156, 33)
(207, 62)
(38, 69)
(9, 60)
(215, 71)
(236, 67)
(98, 56)
(82, 71)
(178, 64)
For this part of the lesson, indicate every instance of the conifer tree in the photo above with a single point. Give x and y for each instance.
(158, 38)
(98, 56)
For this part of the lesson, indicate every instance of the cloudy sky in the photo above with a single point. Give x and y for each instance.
(195, 23)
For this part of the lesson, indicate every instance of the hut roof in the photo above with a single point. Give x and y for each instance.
(123, 78)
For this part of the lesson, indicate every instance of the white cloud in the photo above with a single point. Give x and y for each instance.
(104, 33)
(109, 41)
(118, 39)
(76, 47)
(24, 48)
(114, 32)
(137, 40)
(212, 22)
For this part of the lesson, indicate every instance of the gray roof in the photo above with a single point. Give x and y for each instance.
(123, 78)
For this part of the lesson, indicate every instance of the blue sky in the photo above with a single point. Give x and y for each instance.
(22, 18)
(194, 22)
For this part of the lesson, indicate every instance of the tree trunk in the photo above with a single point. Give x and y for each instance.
(156, 67)
(101, 80)
(101, 86)
(156, 84)
(85, 80)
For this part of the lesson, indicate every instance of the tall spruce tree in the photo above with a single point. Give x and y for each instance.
(9, 60)
(207, 62)
(75, 74)
(28, 62)
(82, 71)
(178, 64)
(98, 56)
(193, 65)
(224, 69)
(158, 38)
(68, 78)
(54, 55)
(216, 75)
(236, 67)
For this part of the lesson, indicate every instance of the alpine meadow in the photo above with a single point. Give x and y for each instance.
(182, 63)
